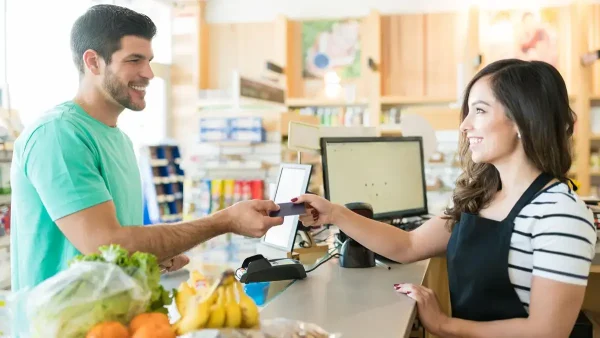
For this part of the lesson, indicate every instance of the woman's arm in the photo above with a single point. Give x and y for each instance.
(428, 240)
(552, 313)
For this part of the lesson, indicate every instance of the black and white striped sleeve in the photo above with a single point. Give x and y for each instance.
(564, 242)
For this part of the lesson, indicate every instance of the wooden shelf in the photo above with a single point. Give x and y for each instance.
(306, 102)
(417, 100)
(390, 129)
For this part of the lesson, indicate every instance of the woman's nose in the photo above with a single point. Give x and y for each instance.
(465, 125)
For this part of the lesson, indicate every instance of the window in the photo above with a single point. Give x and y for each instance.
(40, 69)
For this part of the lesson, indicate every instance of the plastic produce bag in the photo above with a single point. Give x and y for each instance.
(5, 316)
(279, 328)
(73, 301)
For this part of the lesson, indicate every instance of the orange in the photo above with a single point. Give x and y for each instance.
(108, 330)
(148, 319)
(154, 331)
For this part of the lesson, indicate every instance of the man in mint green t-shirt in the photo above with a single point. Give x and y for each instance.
(76, 184)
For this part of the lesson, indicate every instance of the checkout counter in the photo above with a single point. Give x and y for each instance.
(352, 302)
(355, 302)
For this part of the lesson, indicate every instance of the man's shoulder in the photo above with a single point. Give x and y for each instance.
(56, 120)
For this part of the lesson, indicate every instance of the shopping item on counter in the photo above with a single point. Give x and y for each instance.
(107, 286)
(273, 328)
(5, 316)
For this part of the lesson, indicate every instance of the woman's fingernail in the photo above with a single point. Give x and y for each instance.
(294, 199)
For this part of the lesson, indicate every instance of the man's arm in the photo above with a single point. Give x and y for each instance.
(93, 227)
(61, 163)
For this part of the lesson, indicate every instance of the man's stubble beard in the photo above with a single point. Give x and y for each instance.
(118, 91)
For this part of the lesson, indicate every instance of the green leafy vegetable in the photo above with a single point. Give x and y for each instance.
(94, 290)
(140, 265)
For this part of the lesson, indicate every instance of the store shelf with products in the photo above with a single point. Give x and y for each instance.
(239, 146)
(5, 262)
(324, 102)
(162, 178)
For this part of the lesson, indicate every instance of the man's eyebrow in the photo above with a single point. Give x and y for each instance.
(138, 56)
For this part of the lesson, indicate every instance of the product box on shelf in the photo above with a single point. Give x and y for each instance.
(206, 196)
(223, 129)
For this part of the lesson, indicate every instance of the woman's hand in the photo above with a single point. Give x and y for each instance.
(319, 211)
(428, 306)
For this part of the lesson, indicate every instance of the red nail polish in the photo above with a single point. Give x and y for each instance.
(294, 199)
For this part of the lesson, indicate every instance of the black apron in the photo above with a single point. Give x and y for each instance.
(480, 288)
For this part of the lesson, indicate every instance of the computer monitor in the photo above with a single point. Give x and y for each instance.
(386, 172)
(292, 181)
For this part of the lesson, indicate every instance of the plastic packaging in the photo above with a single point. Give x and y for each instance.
(5, 317)
(73, 301)
(279, 327)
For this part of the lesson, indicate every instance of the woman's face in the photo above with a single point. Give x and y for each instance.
(491, 134)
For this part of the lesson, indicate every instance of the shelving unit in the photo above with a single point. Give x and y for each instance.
(5, 266)
(163, 183)
(411, 62)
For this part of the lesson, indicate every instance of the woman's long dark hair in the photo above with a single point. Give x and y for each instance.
(535, 97)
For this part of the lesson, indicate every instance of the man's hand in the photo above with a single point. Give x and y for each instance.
(174, 264)
(251, 218)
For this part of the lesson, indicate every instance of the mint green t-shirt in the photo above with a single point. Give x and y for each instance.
(66, 162)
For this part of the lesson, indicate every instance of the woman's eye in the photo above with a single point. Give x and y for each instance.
(479, 110)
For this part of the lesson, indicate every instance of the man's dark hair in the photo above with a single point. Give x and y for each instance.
(101, 29)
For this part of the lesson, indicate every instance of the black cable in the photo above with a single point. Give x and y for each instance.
(323, 261)
(319, 232)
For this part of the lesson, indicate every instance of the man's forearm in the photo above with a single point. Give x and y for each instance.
(169, 240)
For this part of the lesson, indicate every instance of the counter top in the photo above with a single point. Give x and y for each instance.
(353, 302)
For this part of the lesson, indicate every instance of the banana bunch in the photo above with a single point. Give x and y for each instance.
(217, 308)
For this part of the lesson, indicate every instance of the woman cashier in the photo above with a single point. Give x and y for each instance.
(518, 240)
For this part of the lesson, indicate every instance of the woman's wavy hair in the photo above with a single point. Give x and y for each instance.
(535, 97)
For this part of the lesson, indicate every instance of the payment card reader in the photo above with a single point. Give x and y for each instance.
(258, 269)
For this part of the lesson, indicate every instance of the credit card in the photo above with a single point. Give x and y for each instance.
(289, 209)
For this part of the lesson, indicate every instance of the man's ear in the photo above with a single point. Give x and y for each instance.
(92, 61)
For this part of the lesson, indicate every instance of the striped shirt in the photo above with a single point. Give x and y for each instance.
(553, 237)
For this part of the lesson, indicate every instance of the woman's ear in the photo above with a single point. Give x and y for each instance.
(517, 131)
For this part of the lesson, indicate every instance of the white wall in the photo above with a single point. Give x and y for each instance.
(228, 11)
(39, 67)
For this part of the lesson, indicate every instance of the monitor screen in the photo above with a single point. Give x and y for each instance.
(292, 182)
(386, 172)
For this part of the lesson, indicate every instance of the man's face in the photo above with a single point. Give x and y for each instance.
(129, 73)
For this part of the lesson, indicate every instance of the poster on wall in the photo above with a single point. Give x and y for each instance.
(522, 34)
(331, 45)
